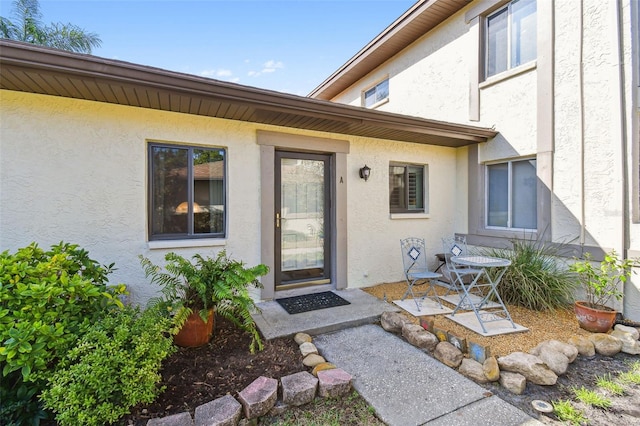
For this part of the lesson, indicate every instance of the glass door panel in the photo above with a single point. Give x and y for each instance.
(301, 210)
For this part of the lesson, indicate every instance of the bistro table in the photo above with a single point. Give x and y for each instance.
(487, 286)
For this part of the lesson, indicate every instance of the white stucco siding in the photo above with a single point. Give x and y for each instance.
(77, 171)
(374, 237)
(510, 107)
(430, 78)
(588, 126)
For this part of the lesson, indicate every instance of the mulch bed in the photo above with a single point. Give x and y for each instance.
(195, 376)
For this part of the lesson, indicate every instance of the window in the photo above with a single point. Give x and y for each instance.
(187, 192)
(510, 37)
(376, 94)
(512, 195)
(407, 188)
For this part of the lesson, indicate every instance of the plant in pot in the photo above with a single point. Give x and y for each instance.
(601, 283)
(194, 291)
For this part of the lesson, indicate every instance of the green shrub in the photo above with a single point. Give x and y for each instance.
(113, 367)
(47, 300)
(537, 278)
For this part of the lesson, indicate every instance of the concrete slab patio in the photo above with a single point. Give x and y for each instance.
(275, 322)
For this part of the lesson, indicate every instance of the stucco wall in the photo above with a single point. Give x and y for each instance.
(374, 237)
(595, 115)
(77, 171)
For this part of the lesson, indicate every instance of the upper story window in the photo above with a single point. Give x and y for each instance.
(511, 195)
(376, 94)
(510, 37)
(186, 192)
(407, 188)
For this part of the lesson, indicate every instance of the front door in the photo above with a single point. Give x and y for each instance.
(303, 219)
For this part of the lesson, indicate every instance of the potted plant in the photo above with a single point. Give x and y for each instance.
(194, 291)
(600, 285)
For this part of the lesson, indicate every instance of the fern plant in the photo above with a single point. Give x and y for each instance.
(203, 283)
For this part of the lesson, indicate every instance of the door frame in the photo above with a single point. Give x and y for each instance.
(327, 219)
(268, 143)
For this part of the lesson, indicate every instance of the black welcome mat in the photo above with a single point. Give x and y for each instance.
(311, 302)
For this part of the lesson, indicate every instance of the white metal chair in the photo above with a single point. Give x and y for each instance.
(456, 275)
(416, 271)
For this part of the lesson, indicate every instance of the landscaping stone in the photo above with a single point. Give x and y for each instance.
(312, 360)
(458, 342)
(259, 397)
(583, 345)
(301, 338)
(427, 324)
(180, 419)
(308, 348)
(473, 370)
(530, 366)
(606, 344)
(448, 354)
(441, 334)
(478, 352)
(629, 344)
(299, 388)
(393, 321)
(321, 367)
(568, 350)
(334, 383)
(419, 337)
(491, 369)
(556, 361)
(514, 382)
(634, 331)
(224, 411)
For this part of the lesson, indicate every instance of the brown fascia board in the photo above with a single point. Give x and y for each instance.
(83, 66)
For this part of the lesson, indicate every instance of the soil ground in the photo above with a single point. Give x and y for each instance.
(196, 376)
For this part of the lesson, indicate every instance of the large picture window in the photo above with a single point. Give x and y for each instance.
(510, 37)
(511, 195)
(186, 192)
(407, 188)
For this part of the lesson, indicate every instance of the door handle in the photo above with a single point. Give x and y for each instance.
(277, 220)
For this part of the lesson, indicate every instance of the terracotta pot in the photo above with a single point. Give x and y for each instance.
(195, 332)
(598, 320)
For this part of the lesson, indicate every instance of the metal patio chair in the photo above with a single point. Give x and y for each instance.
(416, 271)
(456, 275)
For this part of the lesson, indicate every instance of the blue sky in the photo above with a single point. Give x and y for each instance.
(286, 45)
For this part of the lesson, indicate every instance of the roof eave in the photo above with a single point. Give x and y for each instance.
(19, 61)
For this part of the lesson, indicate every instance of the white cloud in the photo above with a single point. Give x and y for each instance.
(217, 73)
(268, 67)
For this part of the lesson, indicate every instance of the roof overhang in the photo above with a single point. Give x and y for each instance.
(421, 18)
(35, 69)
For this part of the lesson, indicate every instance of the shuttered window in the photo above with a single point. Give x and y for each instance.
(407, 188)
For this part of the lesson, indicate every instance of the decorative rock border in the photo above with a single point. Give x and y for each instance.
(542, 365)
(261, 397)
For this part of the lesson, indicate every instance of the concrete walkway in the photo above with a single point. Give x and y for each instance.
(403, 384)
(406, 386)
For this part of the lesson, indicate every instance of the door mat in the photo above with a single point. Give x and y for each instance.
(311, 302)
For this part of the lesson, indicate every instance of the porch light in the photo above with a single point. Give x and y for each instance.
(365, 172)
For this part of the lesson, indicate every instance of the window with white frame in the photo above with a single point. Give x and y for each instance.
(510, 37)
(376, 94)
(187, 196)
(511, 195)
(408, 185)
